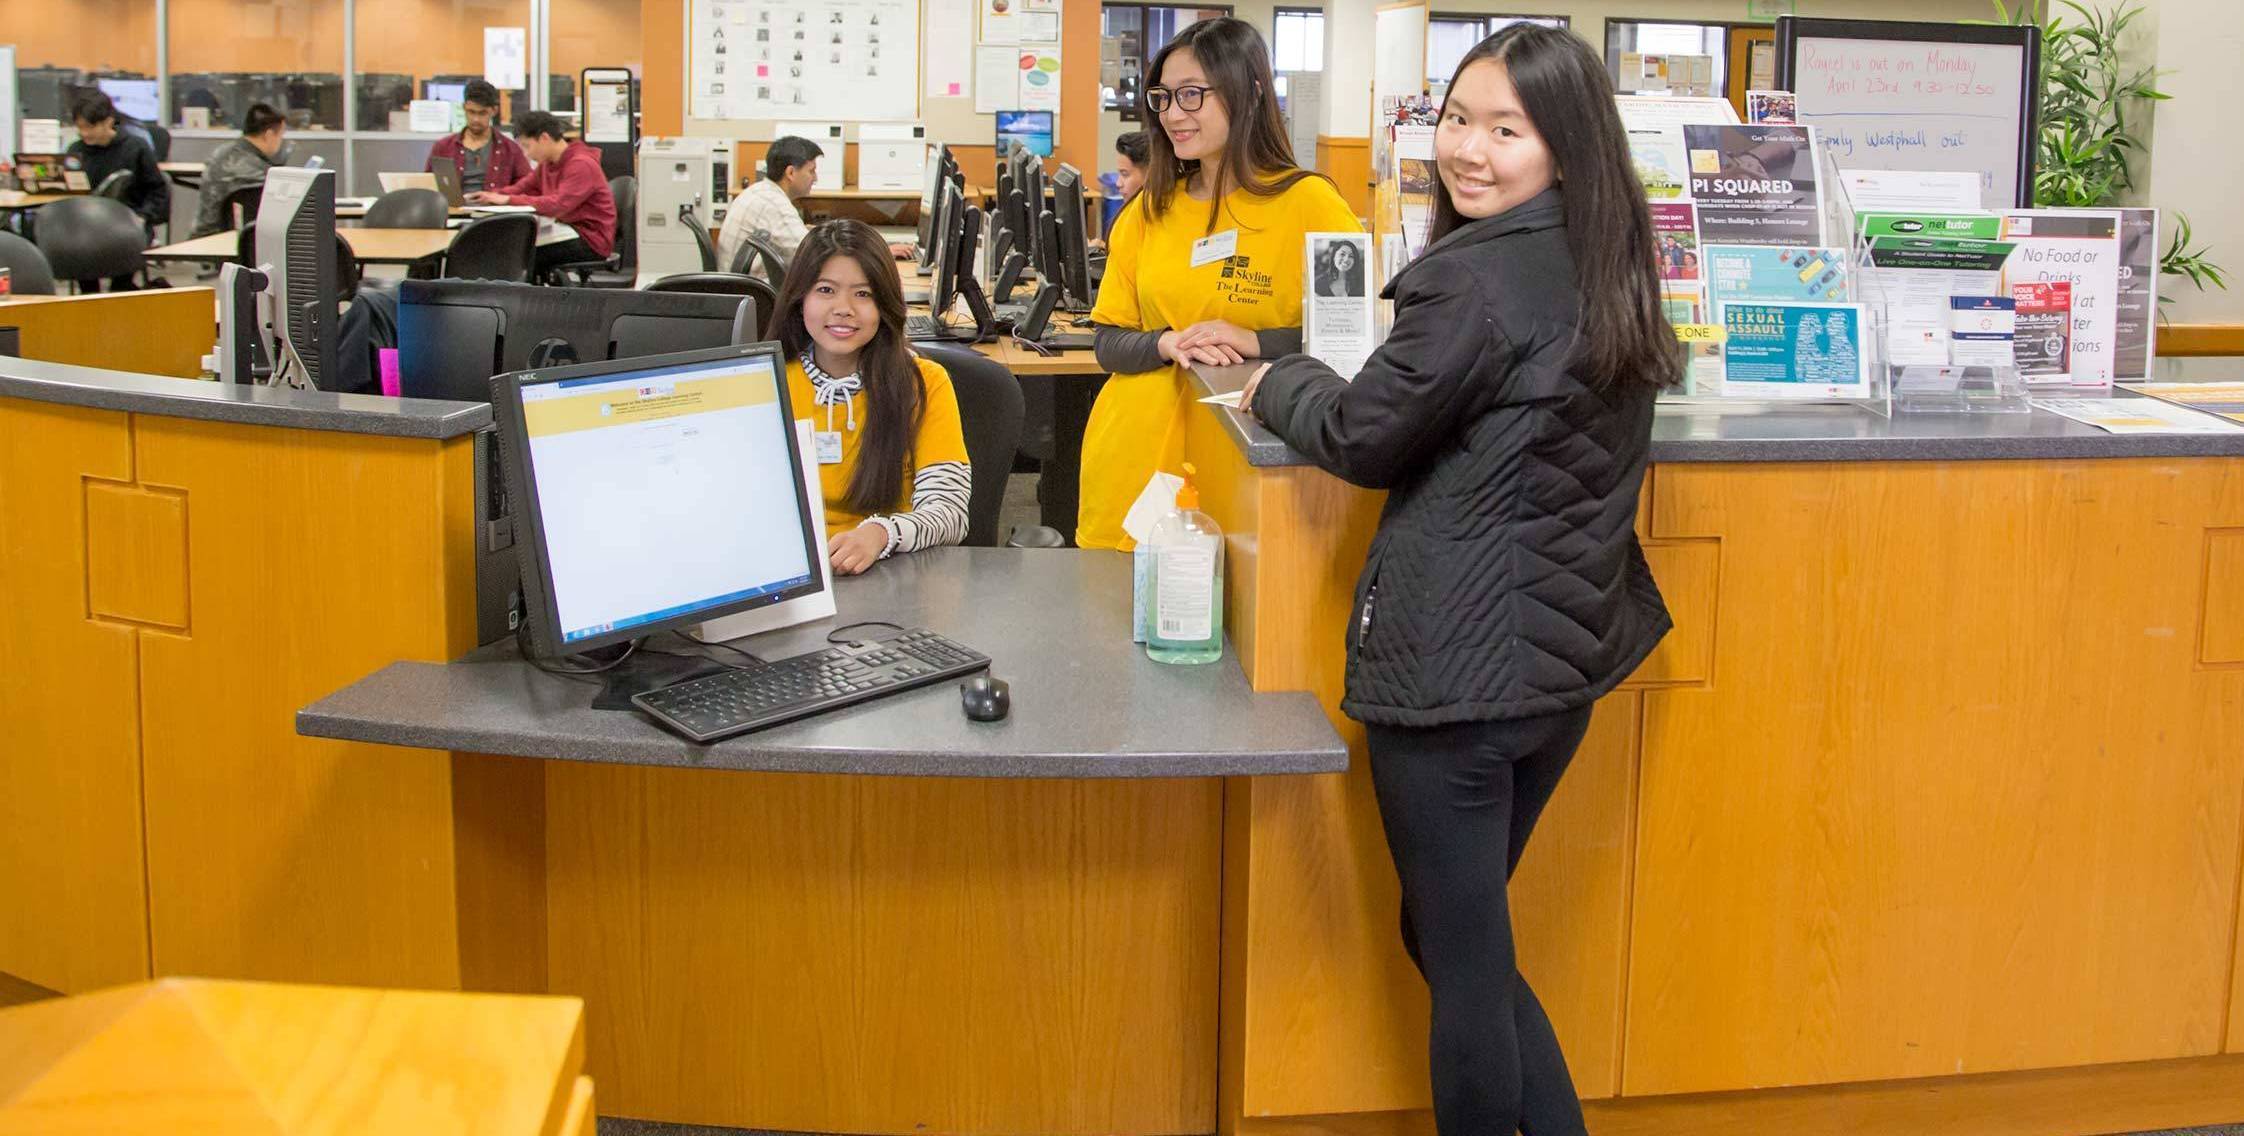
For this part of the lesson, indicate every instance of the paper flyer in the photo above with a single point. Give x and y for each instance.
(2137, 416)
(1661, 167)
(2080, 248)
(1794, 351)
(2135, 327)
(1336, 316)
(1040, 80)
(997, 82)
(1915, 278)
(1001, 21)
(1756, 184)
(1415, 180)
(2043, 343)
(1872, 224)
(1776, 272)
(2224, 399)
(1905, 191)
(1772, 106)
(1675, 228)
(1981, 329)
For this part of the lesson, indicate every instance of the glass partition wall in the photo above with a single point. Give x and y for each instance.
(344, 72)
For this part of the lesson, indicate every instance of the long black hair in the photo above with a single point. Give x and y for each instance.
(1258, 157)
(1624, 335)
(895, 398)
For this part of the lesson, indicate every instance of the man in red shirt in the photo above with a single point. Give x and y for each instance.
(567, 186)
(485, 158)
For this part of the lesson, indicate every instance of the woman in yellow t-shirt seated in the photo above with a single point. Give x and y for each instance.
(1204, 265)
(891, 454)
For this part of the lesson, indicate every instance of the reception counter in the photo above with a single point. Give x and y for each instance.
(1927, 817)
(1941, 774)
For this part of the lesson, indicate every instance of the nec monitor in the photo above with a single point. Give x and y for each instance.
(296, 243)
(654, 494)
(1030, 128)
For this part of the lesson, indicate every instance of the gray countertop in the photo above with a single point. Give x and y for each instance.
(227, 402)
(1761, 432)
(1086, 701)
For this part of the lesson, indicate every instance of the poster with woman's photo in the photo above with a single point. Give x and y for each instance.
(1336, 302)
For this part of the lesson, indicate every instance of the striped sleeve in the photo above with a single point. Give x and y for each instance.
(940, 491)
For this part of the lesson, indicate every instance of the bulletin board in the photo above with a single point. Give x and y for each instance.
(1891, 95)
(842, 60)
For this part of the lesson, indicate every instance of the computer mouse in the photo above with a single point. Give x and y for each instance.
(985, 699)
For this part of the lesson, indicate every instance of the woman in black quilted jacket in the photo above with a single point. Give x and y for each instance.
(1508, 414)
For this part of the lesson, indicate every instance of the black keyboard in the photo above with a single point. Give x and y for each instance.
(751, 698)
(923, 328)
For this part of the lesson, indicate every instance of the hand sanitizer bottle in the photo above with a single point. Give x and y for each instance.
(1187, 608)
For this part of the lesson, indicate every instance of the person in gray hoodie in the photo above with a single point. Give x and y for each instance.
(239, 163)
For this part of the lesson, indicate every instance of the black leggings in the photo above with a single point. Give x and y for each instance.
(1457, 803)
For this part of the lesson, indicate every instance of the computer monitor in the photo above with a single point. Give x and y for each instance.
(947, 180)
(295, 243)
(134, 98)
(654, 494)
(942, 247)
(453, 335)
(444, 92)
(1074, 238)
(1030, 128)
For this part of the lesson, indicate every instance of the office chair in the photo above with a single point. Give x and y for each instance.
(348, 272)
(159, 139)
(756, 252)
(723, 284)
(700, 238)
(501, 247)
(408, 209)
(990, 412)
(92, 238)
(115, 185)
(241, 206)
(621, 268)
(28, 272)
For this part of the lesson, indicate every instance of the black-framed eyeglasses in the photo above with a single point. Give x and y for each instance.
(1188, 99)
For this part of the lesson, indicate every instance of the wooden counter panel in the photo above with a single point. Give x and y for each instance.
(1959, 796)
(73, 897)
(313, 559)
(882, 955)
(155, 331)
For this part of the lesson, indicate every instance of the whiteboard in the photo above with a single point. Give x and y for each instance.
(830, 60)
(7, 101)
(1901, 96)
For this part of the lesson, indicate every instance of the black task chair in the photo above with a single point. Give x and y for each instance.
(159, 140)
(349, 274)
(621, 268)
(240, 210)
(989, 410)
(500, 247)
(700, 238)
(28, 272)
(408, 209)
(92, 238)
(759, 255)
(115, 185)
(723, 284)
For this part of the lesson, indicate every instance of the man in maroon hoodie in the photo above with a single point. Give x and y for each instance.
(567, 186)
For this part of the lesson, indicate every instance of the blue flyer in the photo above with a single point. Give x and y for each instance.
(1794, 350)
(1775, 272)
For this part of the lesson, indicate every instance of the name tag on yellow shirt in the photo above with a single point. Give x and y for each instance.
(827, 445)
(1209, 250)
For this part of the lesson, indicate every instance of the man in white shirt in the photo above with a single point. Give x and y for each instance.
(767, 209)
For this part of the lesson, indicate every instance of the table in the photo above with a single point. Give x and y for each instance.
(352, 210)
(197, 1055)
(17, 199)
(186, 175)
(371, 246)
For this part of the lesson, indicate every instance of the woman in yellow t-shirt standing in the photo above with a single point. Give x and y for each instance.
(1204, 265)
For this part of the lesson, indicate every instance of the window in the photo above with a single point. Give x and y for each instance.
(1450, 35)
(1297, 40)
(1628, 41)
(1134, 34)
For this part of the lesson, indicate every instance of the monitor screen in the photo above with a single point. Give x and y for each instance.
(1030, 128)
(664, 495)
(135, 98)
(445, 92)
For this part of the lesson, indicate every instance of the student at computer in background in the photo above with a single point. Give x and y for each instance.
(484, 156)
(1130, 153)
(891, 454)
(240, 164)
(767, 208)
(568, 186)
(102, 149)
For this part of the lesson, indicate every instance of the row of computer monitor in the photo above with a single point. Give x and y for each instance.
(1052, 239)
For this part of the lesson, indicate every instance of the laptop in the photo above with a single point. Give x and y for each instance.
(445, 180)
(391, 183)
(49, 173)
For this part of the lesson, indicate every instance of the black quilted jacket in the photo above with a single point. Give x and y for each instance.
(1505, 580)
